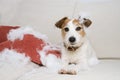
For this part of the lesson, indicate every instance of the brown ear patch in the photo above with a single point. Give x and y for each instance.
(87, 22)
(60, 23)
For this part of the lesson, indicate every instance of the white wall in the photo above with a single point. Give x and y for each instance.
(42, 14)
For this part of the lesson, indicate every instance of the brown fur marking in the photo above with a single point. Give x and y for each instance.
(61, 22)
(77, 23)
(87, 22)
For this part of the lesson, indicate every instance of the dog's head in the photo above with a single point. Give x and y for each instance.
(73, 32)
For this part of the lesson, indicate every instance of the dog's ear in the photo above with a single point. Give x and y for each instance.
(61, 22)
(87, 22)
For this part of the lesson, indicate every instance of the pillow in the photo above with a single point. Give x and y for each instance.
(30, 45)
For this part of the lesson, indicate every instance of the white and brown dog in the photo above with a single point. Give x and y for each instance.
(77, 53)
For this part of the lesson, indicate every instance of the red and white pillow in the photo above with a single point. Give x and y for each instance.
(29, 42)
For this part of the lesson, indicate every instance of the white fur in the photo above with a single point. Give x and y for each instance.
(84, 56)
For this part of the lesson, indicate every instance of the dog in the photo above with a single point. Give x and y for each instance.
(76, 53)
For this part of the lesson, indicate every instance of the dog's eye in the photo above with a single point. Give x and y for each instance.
(66, 29)
(78, 28)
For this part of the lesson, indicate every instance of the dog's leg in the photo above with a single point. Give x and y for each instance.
(71, 69)
(64, 64)
(67, 68)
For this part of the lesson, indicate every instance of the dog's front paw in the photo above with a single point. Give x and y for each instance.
(70, 72)
(62, 71)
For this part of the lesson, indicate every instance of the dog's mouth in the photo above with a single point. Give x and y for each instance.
(72, 47)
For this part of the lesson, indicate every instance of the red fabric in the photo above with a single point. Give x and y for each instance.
(54, 52)
(4, 31)
(5, 44)
(29, 45)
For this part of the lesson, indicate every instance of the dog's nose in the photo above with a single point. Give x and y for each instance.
(72, 39)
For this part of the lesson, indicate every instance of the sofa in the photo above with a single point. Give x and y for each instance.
(28, 65)
(41, 15)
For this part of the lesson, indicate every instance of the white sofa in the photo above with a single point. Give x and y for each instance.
(42, 14)
(107, 69)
